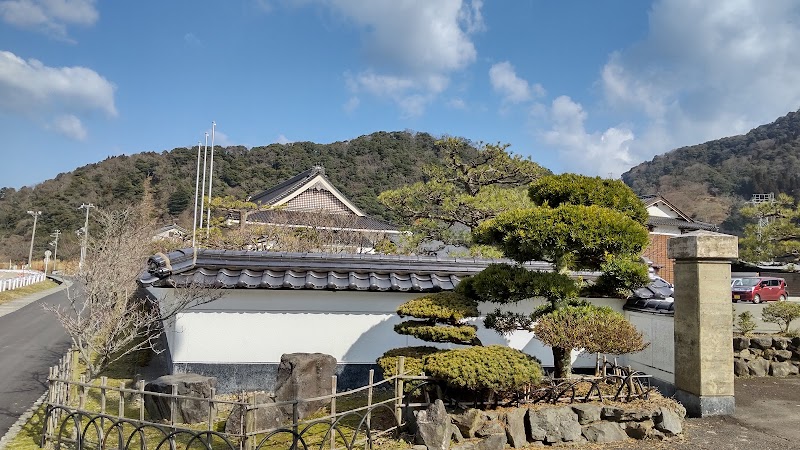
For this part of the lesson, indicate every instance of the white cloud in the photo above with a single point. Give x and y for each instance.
(192, 40)
(70, 126)
(30, 87)
(595, 153)
(282, 139)
(707, 69)
(351, 104)
(457, 103)
(49, 16)
(411, 48)
(513, 88)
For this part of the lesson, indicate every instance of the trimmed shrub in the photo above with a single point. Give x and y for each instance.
(496, 368)
(447, 307)
(597, 329)
(745, 323)
(504, 283)
(430, 332)
(413, 362)
(781, 313)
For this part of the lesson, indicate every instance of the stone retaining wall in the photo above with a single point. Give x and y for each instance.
(544, 425)
(761, 356)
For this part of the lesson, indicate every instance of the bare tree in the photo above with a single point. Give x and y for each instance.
(108, 315)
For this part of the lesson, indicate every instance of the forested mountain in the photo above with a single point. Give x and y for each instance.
(361, 168)
(710, 181)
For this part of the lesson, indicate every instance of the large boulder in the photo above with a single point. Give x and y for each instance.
(186, 410)
(433, 427)
(515, 427)
(668, 421)
(304, 375)
(604, 432)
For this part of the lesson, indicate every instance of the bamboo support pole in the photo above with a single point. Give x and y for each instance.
(333, 412)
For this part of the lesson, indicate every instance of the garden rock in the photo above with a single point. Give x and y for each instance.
(186, 411)
(745, 355)
(783, 355)
(740, 368)
(762, 342)
(782, 369)
(515, 427)
(587, 413)
(740, 343)
(493, 442)
(667, 421)
(780, 343)
(469, 421)
(639, 430)
(304, 375)
(603, 432)
(554, 425)
(490, 428)
(758, 367)
(433, 427)
(264, 418)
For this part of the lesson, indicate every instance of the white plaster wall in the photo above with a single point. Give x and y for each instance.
(662, 211)
(259, 325)
(658, 359)
(670, 231)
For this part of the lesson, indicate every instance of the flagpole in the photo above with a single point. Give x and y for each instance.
(210, 178)
(203, 194)
(196, 194)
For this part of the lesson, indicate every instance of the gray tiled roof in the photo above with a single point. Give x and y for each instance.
(304, 218)
(682, 224)
(276, 193)
(278, 270)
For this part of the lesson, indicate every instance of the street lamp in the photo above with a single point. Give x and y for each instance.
(55, 234)
(35, 215)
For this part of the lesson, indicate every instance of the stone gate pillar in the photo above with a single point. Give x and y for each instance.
(703, 321)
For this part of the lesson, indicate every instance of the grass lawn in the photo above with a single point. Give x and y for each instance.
(7, 296)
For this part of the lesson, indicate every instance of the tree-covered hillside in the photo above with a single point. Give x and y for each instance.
(361, 168)
(710, 181)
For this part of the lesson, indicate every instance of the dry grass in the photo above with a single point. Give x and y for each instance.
(7, 296)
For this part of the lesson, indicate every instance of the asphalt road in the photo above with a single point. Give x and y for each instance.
(31, 340)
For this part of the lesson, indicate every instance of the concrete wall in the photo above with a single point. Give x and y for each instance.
(244, 334)
(658, 359)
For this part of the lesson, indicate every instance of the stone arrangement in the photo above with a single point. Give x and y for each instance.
(761, 356)
(473, 429)
(186, 410)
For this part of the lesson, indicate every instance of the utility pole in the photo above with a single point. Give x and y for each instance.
(35, 215)
(55, 235)
(88, 206)
(210, 177)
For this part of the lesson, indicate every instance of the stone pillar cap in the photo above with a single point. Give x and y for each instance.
(703, 245)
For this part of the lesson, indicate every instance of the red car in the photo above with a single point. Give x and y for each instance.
(758, 289)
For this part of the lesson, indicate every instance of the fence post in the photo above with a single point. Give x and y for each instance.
(211, 409)
(82, 393)
(398, 393)
(295, 419)
(103, 385)
(251, 422)
(333, 411)
(172, 404)
(141, 400)
(121, 413)
(369, 397)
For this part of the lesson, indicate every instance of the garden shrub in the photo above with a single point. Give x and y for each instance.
(447, 307)
(431, 332)
(745, 323)
(781, 313)
(413, 359)
(596, 329)
(495, 368)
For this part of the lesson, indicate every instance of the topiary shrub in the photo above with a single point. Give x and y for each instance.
(458, 334)
(413, 359)
(444, 307)
(493, 369)
(781, 313)
(444, 313)
(745, 323)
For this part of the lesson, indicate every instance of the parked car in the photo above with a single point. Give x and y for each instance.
(758, 289)
(736, 282)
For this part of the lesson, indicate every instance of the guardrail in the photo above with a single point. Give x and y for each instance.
(22, 279)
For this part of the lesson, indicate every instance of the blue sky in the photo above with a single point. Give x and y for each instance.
(589, 87)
